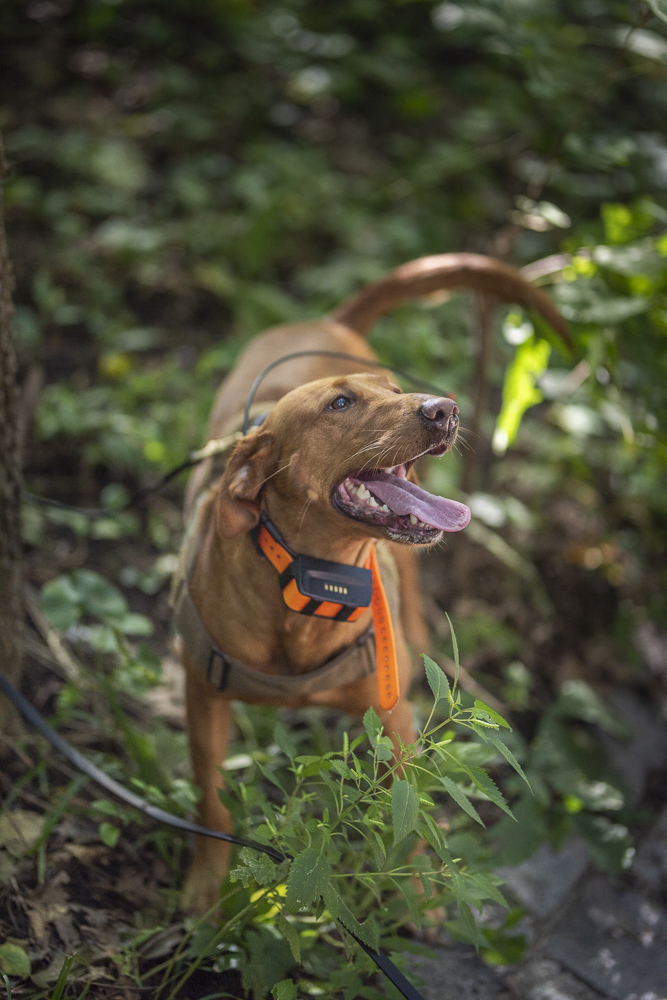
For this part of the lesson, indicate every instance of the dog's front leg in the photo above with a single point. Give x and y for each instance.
(209, 717)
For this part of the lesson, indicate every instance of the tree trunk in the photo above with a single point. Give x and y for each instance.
(11, 596)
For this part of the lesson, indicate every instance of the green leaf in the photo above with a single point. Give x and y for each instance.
(421, 863)
(520, 390)
(60, 603)
(338, 908)
(373, 726)
(404, 809)
(494, 715)
(487, 785)
(378, 848)
(455, 647)
(576, 700)
(97, 596)
(286, 989)
(460, 798)
(285, 741)
(412, 900)
(465, 928)
(507, 753)
(109, 834)
(14, 961)
(341, 768)
(309, 874)
(134, 624)
(290, 933)
(436, 838)
(259, 866)
(437, 681)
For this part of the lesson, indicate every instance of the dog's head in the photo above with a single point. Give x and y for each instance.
(337, 454)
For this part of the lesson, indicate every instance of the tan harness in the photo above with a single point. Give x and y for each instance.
(224, 672)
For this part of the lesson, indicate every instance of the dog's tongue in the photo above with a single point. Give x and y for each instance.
(404, 497)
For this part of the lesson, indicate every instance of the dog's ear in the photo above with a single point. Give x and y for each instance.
(250, 465)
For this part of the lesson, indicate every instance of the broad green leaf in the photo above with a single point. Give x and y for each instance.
(309, 874)
(291, 935)
(98, 596)
(461, 799)
(60, 603)
(338, 908)
(404, 809)
(109, 834)
(14, 961)
(133, 624)
(261, 867)
(520, 390)
(437, 681)
(494, 715)
(286, 989)
(372, 725)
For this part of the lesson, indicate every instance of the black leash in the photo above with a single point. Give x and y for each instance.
(383, 962)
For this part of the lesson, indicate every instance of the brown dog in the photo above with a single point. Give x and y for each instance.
(332, 430)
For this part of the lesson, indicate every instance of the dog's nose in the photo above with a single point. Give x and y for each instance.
(439, 413)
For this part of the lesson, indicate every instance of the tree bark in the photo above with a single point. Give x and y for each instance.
(11, 594)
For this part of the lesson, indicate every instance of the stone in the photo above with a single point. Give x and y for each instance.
(615, 940)
(645, 751)
(455, 973)
(541, 882)
(650, 863)
(544, 979)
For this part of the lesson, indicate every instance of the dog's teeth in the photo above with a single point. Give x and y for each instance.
(373, 502)
(363, 493)
(414, 520)
(352, 489)
(385, 509)
(423, 524)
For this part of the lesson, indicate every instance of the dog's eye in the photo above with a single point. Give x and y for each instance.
(340, 403)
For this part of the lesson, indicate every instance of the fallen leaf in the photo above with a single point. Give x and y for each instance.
(20, 830)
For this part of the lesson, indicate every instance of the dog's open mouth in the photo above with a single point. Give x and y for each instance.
(386, 499)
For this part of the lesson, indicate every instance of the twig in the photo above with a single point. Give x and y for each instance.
(71, 667)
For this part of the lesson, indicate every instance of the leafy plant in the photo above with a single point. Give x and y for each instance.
(361, 827)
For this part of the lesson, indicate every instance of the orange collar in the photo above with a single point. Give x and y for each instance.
(336, 591)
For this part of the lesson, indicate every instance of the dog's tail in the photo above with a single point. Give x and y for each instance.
(442, 272)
